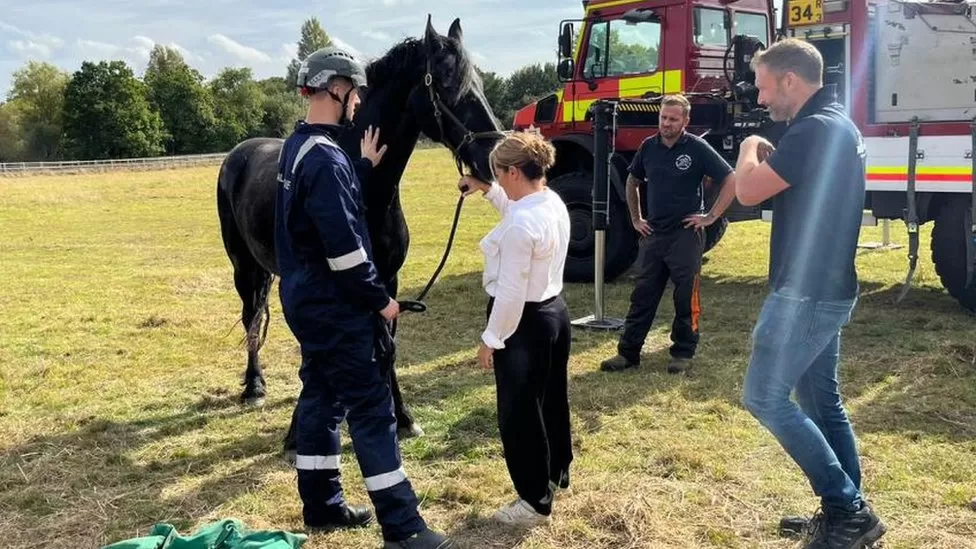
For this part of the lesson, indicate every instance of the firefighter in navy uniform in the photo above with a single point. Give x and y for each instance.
(674, 164)
(333, 299)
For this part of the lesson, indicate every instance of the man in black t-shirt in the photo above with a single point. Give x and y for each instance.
(816, 178)
(670, 168)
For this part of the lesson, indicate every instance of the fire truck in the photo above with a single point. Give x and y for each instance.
(905, 70)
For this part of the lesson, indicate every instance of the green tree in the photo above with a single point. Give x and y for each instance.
(107, 114)
(528, 84)
(177, 93)
(11, 133)
(239, 107)
(38, 90)
(496, 92)
(313, 38)
(281, 109)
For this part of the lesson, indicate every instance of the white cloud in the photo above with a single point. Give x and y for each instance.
(145, 42)
(133, 55)
(101, 48)
(379, 36)
(148, 44)
(289, 51)
(30, 47)
(242, 52)
(340, 43)
(391, 3)
(31, 43)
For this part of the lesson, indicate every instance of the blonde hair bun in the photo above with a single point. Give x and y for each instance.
(530, 152)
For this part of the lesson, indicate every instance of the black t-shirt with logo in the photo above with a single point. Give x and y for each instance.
(674, 178)
(817, 220)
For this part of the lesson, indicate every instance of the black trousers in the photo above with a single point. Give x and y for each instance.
(675, 256)
(531, 381)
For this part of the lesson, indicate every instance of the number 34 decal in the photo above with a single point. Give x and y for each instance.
(805, 12)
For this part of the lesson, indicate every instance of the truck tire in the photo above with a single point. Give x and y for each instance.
(575, 189)
(714, 233)
(949, 236)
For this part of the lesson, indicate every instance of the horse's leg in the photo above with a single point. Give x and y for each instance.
(253, 284)
(407, 427)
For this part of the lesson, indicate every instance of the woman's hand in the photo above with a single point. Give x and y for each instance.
(469, 184)
(485, 354)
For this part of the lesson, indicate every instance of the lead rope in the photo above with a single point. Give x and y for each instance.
(417, 305)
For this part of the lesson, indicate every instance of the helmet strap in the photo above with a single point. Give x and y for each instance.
(344, 102)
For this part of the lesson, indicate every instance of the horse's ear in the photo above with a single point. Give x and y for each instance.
(455, 31)
(430, 35)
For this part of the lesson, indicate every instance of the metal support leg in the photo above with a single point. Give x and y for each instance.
(602, 126)
(911, 215)
(885, 243)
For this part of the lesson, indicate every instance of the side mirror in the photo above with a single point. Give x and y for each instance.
(566, 41)
(565, 69)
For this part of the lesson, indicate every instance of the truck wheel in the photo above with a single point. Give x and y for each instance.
(714, 233)
(949, 236)
(621, 240)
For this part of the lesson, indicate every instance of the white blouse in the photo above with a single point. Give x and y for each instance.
(525, 255)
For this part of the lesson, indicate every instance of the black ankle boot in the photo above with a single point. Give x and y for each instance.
(334, 518)
(847, 530)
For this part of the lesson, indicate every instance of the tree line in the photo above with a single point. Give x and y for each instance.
(104, 111)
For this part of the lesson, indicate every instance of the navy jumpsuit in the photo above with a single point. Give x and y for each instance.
(331, 294)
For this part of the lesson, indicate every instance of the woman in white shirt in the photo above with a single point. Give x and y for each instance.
(527, 337)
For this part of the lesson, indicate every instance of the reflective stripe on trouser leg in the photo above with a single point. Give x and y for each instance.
(318, 446)
(372, 427)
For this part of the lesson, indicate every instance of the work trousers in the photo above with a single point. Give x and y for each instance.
(531, 380)
(676, 256)
(343, 381)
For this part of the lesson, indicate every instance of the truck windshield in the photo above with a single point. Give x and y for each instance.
(631, 49)
(710, 27)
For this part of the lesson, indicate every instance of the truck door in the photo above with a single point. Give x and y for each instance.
(621, 57)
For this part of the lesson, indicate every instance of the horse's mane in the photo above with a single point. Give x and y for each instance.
(409, 58)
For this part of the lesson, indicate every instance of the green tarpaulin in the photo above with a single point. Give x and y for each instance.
(226, 534)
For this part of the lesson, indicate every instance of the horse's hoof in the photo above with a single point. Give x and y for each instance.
(254, 402)
(291, 457)
(413, 431)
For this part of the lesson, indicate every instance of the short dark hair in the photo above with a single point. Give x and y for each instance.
(793, 55)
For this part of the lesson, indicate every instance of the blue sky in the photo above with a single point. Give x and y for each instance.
(501, 34)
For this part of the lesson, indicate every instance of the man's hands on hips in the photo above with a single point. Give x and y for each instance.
(699, 221)
(391, 311)
(641, 226)
(368, 146)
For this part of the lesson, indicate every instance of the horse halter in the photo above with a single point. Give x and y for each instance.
(440, 110)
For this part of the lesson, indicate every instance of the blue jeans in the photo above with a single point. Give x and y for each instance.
(796, 346)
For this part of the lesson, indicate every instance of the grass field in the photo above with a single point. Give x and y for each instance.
(121, 364)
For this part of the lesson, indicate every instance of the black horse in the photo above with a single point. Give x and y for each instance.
(428, 86)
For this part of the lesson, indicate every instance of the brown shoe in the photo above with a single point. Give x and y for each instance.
(618, 363)
(679, 365)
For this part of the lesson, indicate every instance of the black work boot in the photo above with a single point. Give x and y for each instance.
(798, 526)
(847, 530)
(427, 539)
(335, 518)
(679, 364)
(618, 363)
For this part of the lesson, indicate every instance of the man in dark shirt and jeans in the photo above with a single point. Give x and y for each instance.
(816, 177)
(673, 164)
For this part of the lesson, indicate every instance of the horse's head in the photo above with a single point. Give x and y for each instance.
(450, 102)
